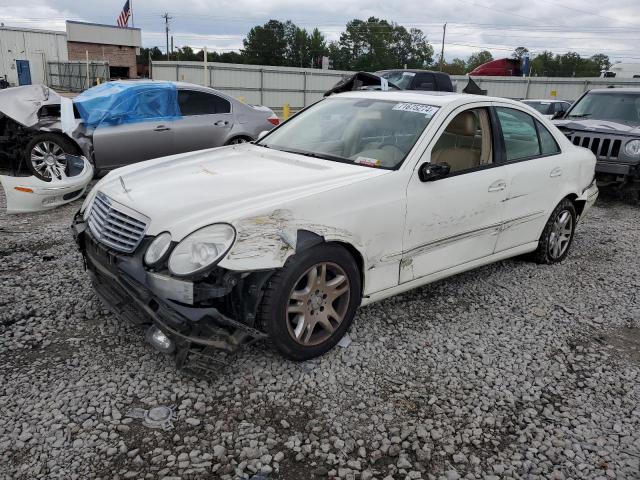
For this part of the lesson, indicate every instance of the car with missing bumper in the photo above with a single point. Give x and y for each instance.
(119, 123)
(361, 196)
(607, 122)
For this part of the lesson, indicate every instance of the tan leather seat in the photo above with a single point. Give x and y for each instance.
(463, 128)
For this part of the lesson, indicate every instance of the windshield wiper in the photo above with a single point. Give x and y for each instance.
(580, 115)
(323, 156)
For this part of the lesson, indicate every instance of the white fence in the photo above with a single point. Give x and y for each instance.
(255, 84)
(299, 87)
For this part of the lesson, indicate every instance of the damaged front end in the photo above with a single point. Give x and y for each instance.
(199, 320)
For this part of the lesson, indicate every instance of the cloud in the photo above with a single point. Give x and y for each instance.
(496, 25)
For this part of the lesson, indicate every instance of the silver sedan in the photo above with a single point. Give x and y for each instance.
(123, 122)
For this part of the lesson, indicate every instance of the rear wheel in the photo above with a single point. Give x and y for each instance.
(46, 155)
(238, 140)
(557, 235)
(310, 304)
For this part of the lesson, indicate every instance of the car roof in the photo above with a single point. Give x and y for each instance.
(616, 90)
(438, 99)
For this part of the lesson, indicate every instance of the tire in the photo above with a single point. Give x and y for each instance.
(238, 140)
(44, 155)
(325, 313)
(561, 222)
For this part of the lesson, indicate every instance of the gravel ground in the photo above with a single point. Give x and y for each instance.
(512, 371)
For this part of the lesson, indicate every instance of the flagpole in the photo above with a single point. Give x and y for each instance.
(133, 25)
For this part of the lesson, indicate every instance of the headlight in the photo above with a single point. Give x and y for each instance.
(201, 249)
(157, 249)
(632, 148)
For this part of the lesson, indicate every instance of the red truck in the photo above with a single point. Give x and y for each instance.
(502, 67)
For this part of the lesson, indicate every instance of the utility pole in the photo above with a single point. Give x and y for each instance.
(444, 31)
(166, 29)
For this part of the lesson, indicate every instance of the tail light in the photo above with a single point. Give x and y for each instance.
(273, 119)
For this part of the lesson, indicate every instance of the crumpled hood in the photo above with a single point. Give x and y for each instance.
(184, 192)
(599, 126)
(23, 103)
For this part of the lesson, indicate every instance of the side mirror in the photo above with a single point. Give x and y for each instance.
(428, 172)
(262, 134)
(559, 114)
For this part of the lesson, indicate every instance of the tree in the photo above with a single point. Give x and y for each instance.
(456, 67)
(154, 52)
(376, 44)
(520, 52)
(478, 58)
(317, 48)
(266, 45)
(601, 60)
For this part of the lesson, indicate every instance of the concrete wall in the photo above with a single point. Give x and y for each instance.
(275, 86)
(36, 46)
(116, 56)
(103, 34)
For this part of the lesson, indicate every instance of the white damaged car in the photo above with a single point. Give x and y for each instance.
(359, 197)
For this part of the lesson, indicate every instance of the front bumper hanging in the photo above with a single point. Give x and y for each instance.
(200, 336)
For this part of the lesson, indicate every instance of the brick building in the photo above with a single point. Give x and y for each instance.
(112, 44)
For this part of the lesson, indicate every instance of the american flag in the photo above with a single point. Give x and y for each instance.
(123, 18)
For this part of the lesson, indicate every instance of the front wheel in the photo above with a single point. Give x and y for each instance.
(310, 303)
(557, 235)
(47, 156)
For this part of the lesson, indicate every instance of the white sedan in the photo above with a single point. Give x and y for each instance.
(359, 197)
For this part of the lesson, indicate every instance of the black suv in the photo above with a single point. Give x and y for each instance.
(607, 121)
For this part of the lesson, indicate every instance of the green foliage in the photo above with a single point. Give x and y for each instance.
(377, 44)
(519, 52)
(570, 64)
(156, 54)
(457, 66)
(478, 58)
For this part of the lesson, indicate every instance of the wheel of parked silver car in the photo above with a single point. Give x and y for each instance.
(238, 141)
(46, 156)
(309, 304)
(557, 235)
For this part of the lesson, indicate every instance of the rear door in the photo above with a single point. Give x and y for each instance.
(206, 121)
(117, 145)
(533, 163)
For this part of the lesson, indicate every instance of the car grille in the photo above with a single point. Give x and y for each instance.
(115, 225)
(603, 147)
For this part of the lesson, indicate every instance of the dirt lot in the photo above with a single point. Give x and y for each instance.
(511, 371)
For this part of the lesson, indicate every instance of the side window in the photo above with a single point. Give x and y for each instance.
(547, 142)
(466, 141)
(424, 81)
(519, 132)
(192, 102)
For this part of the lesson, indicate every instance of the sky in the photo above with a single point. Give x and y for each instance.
(608, 26)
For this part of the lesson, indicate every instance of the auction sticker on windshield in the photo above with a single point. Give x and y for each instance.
(427, 110)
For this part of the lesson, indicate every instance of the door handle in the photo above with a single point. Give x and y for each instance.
(221, 123)
(556, 172)
(497, 186)
(161, 128)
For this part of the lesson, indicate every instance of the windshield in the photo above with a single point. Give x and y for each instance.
(401, 80)
(543, 107)
(618, 107)
(362, 131)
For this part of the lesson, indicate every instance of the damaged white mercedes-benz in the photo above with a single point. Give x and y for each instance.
(359, 197)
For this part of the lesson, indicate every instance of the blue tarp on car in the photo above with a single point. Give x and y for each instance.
(116, 103)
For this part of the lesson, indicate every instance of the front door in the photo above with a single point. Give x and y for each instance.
(455, 219)
(24, 72)
(205, 123)
(117, 145)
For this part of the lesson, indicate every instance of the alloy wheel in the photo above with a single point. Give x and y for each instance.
(318, 303)
(48, 159)
(561, 233)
